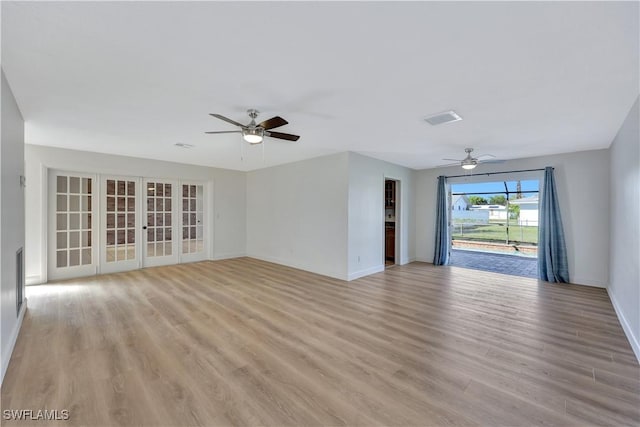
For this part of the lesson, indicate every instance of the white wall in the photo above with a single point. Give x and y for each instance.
(229, 195)
(297, 214)
(624, 199)
(582, 181)
(366, 214)
(11, 219)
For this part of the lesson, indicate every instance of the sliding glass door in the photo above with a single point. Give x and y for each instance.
(495, 216)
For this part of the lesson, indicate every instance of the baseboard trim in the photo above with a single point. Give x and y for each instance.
(297, 265)
(8, 351)
(584, 281)
(366, 272)
(228, 256)
(633, 341)
(33, 280)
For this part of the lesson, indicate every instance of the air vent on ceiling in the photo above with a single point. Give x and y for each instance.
(446, 117)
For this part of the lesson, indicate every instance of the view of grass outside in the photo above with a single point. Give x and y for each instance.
(495, 216)
(495, 232)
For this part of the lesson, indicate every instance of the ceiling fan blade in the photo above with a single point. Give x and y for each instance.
(457, 163)
(486, 155)
(226, 131)
(273, 122)
(491, 161)
(226, 119)
(453, 160)
(281, 135)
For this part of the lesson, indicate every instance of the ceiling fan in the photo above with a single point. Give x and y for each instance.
(470, 162)
(253, 132)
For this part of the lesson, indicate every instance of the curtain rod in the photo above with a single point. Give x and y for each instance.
(494, 173)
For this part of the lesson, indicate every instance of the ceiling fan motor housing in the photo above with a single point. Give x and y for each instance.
(253, 113)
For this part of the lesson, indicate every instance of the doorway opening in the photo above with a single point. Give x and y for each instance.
(391, 213)
(494, 226)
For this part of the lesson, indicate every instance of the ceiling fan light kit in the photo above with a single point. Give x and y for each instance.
(469, 166)
(253, 136)
(469, 162)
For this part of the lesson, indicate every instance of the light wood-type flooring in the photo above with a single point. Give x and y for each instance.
(245, 342)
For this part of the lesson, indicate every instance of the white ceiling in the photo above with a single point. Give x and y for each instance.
(134, 78)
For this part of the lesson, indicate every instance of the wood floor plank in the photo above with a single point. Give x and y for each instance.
(246, 342)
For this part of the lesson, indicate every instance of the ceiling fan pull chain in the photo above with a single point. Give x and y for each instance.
(263, 144)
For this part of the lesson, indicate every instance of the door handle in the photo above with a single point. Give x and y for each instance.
(144, 227)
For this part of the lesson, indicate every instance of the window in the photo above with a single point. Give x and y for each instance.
(503, 217)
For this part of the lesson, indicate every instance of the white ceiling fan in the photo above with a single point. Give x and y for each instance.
(470, 162)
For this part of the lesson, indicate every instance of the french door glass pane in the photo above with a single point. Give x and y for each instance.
(159, 219)
(73, 221)
(120, 222)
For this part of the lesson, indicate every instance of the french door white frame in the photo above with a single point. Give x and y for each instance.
(150, 224)
(202, 220)
(99, 264)
(129, 263)
(53, 271)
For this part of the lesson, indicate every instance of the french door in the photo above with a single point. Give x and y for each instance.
(72, 223)
(160, 229)
(193, 244)
(106, 224)
(120, 249)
